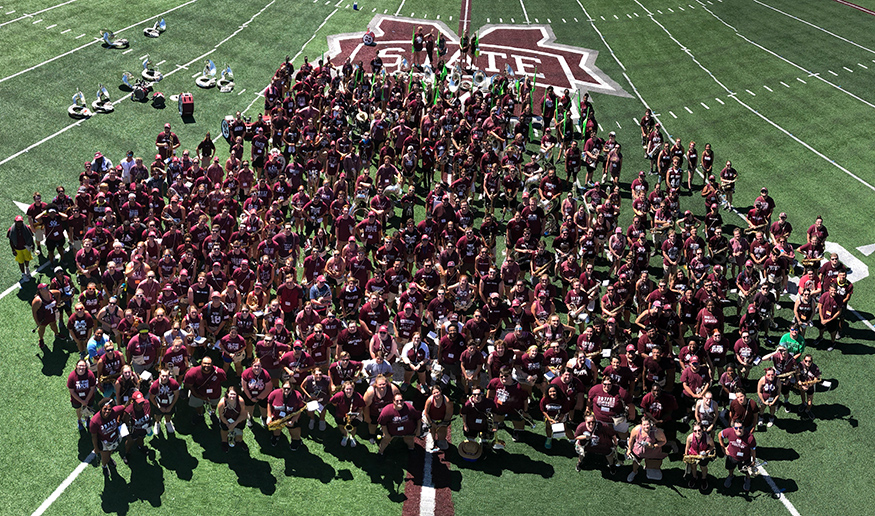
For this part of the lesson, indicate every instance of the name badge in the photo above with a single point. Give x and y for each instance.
(450, 355)
(740, 454)
(209, 391)
(605, 409)
(478, 421)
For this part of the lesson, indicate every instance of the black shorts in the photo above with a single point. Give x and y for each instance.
(251, 403)
(224, 427)
(732, 463)
(157, 413)
(258, 162)
(832, 326)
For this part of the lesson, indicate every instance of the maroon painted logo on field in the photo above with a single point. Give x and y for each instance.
(528, 49)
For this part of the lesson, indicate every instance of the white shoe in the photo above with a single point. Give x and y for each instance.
(321, 426)
(770, 423)
(169, 426)
(156, 429)
(344, 440)
(654, 474)
(311, 424)
(352, 442)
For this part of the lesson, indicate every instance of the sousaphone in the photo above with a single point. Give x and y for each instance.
(110, 41)
(207, 78)
(79, 108)
(226, 81)
(103, 104)
(155, 30)
(150, 70)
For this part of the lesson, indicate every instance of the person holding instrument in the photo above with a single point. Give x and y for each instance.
(284, 407)
(739, 445)
(349, 406)
(698, 453)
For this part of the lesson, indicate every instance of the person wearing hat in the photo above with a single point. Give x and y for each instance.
(142, 349)
(138, 417)
(21, 239)
(167, 142)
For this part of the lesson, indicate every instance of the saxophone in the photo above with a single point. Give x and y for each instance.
(279, 423)
(349, 421)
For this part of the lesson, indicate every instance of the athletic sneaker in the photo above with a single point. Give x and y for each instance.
(373, 440)
(830, 348)
(352, 442)
(344, 440)
(703, 485)
(42, 344)
(579, 466)
(747, 484)
(515, 436)
(631, 476)
(169, 426)
(321, 426)
(274, 440)
(294, 444)
(771, 422)
(728, 481)
(311, 424)
(156, 428)
(442, 444)
(549, 443)
(249, 423)
(809, 414)
(786, 408)
(231, 444)
(612, 468)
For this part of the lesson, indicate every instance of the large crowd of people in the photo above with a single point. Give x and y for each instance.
(370, 235)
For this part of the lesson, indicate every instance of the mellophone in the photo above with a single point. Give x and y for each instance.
(753, 469)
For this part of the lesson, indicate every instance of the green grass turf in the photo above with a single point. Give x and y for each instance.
(807, 464)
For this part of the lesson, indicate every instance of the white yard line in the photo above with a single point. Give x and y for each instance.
(426, 490)
(815, 26)
(64, 485)
(245, 24)
(400, 7)
(47, 61)
(782, 58)
(33, 14)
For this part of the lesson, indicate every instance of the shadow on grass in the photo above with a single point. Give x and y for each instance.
(497, 462)
(175, 456)
(776, 454)
(146, 484)
(250, 471)
(55, 355)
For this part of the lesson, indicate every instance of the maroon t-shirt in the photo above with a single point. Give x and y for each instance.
(82, 383)
(606, 405)
(355, 403)
(508, 398)
(164, 393)
(107, 429)
(739, 448)
(400, 422)
(208, 385)
(256, 383)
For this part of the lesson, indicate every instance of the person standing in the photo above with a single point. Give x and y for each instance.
(105, 435)
(739, 445)
(20, 237)
(399, 419)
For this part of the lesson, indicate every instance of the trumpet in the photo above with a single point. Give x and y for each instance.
(809, 382)
(695, 459)
(279, 423)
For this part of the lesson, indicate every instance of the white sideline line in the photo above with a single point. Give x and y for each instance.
(92, 42)
(66, 31)
(778, 493)
(815, 26)
(791, 63)
(704, 105)
(768, 89)
(33, 14)
(64, 485)
(52, 26)
(688, 110)
(785, 84)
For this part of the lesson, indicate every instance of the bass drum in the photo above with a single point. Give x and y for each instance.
(226, 129)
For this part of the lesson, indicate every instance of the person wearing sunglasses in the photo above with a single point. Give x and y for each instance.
(739, 445)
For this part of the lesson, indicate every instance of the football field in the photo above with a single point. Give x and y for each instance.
(782, 88)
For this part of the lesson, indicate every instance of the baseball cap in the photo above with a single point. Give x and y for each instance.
(748, 263)
(59, 269)
(694, 360)
(782, 215)
(657, 303)
(42, 286)
(138, 397)
(751, 309)
(408, 305)
(611, 320)
(515, 302)
(372, 213)
(631, 347)
(18, 218)
(320, 278)
(143, 328)
(383, 328)
(258, 285)
(98, 155)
